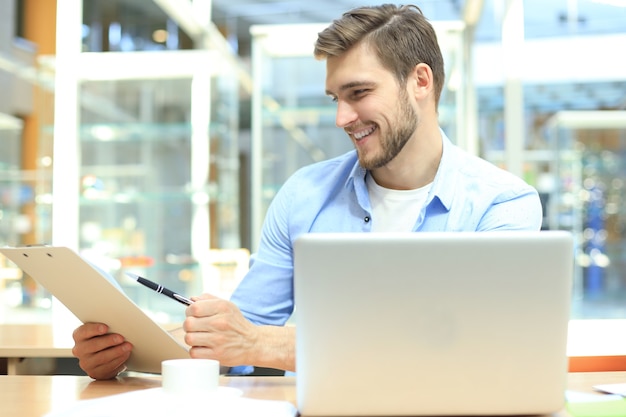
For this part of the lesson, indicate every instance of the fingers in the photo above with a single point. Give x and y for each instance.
(208, 305)
(203, 352)
(89, 330)
(225, 353)
(106, 364)
(209, 315)
(216, 329)
(204, 296)
(101, 355)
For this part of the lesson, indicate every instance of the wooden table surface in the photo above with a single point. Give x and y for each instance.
(34, 396)
(34, 340)
(18, 341)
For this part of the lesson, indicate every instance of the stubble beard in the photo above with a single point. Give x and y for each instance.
(401, 131)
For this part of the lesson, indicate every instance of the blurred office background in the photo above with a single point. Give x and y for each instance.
(150, 136)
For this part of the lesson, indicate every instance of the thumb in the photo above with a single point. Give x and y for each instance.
(205, 296)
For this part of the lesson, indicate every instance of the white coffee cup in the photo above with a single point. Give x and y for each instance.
(190, 376)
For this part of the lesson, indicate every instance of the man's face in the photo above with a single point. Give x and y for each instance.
(376, 113)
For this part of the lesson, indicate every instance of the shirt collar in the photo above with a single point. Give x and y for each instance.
(357, 174)
(445, 179)
(443, 184)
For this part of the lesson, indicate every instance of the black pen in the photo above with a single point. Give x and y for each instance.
(160, 289)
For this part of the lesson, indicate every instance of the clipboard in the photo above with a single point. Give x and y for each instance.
(91, 297)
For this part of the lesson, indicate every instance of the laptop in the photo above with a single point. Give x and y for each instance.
(443, 323)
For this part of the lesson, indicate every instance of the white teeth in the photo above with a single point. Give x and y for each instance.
(363, 133)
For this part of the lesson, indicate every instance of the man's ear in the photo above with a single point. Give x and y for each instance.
(421, 81)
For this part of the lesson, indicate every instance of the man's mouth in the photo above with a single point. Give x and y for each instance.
(364, 132)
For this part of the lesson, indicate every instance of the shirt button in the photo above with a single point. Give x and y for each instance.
(367, 219)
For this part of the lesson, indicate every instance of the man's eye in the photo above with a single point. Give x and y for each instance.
(334, 99)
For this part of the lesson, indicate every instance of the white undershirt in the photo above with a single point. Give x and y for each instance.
(395, 210)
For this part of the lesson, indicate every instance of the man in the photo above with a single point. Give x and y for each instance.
(385, 71)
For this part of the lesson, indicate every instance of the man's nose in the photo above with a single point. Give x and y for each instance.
(345, 114)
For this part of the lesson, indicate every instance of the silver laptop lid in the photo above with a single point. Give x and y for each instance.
(432, 323)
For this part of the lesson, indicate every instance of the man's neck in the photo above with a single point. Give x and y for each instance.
(415, 166)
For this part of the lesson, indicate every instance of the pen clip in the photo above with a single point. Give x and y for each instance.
(182, 299)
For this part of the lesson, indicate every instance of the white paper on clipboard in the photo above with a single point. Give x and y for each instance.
(93, 298)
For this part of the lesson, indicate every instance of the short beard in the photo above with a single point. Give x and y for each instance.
(392, 144)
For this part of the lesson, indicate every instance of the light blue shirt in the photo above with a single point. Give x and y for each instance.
(467, 194)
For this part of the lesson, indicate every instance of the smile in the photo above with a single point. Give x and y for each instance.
(362, 133)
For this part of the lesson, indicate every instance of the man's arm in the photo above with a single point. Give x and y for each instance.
(276, 348)
(521, 211)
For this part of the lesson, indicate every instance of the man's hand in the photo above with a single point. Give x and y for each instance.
(100, 354)
(216, 329)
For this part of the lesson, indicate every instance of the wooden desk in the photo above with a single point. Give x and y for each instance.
(34, 396)
(19, 341)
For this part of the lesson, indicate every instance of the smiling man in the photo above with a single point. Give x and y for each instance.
(385, 72)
